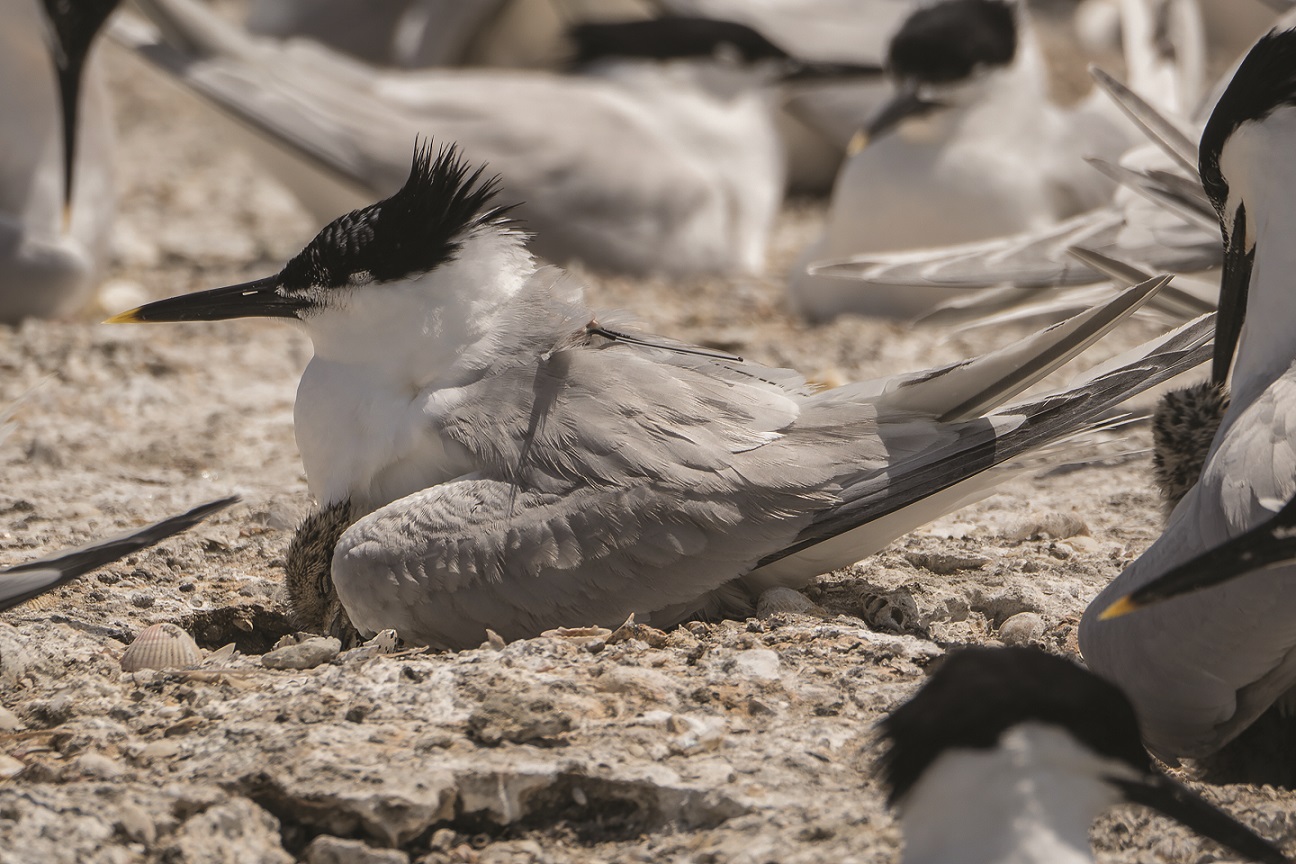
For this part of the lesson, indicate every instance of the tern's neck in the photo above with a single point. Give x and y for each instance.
(1257, 162)
(1029, 801)
(357, 418)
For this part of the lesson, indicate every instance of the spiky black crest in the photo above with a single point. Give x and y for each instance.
(414, 231)
(669, 37)
(979, 694)
(1264, 82)
(949, 41)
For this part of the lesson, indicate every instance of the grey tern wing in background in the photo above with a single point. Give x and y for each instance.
(1202, 668)
(56, 195)
(552, 471)
(648, 170)
(23, 582)
(1010, 754)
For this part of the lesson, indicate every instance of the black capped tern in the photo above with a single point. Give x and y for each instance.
(513, 460)
(56, 189)
(649, 168)
(23, 582)
(970, 147)
(1010, 754)
(1201, 669)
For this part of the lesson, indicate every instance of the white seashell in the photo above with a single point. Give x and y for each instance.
(162, 646)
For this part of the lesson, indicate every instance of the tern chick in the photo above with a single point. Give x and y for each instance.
(1010, 754)
(1183, 427)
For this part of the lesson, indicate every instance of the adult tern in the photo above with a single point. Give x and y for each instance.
(1010, 754)
(514, 461)
(656, 171)
(1202, 668)
(56, 194)
(970, 147)
(23, 582)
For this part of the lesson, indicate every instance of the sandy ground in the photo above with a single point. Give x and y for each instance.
(743, 741)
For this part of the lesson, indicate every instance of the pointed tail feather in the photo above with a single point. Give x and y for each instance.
(966, 467)
(23, 582)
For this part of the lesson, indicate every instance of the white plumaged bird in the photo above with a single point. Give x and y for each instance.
(1201, 668)
(675, 169)
(1008, 755)
(56, 190)
(516, 462)
(23, 582)
(972, 148)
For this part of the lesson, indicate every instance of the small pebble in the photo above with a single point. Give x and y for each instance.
(306, 654)
(10, 767)
(783, 600)
(98, 766)
(9, 721)
(1022, 629)
(325, 849)
(759, 663)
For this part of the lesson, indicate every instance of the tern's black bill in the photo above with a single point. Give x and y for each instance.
(1273, 542)
(904, 104)
(1179, 803)
(73, 26)
(1239, 260)
(258, 299)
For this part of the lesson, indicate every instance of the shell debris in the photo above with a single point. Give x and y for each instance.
(161, 646)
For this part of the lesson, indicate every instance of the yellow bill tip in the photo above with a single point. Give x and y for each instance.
(1123, 606)
(858, 142)
(130, 316)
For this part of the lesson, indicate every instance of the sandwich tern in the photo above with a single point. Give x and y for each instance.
(56, 190)
(23, 582)
(512, 460)
(970, 147)
(1203, 668)
(1010, 754)
(665, 175)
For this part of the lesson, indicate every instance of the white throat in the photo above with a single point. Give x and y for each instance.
(1031, 800)
(357, 417)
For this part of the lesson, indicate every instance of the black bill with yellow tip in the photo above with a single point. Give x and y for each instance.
(1270, 543)
(73, 27)
(1185, 807)
(262, 298)
(1235, 283)
(907, 102)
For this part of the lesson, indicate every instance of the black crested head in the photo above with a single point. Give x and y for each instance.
(670, 37)
(414, 231)
(949, 41)
(1264, 82)
(980, 693)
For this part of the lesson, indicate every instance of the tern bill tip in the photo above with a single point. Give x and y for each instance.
(130, 316)
(859, 141)
(1121, 607)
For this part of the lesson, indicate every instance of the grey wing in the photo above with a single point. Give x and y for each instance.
(1201, 667)
(443, 565)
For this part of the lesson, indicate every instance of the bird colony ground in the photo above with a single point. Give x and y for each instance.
(738, 741)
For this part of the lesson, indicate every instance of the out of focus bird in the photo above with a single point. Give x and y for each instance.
(23, 582)
(1010, 754)
(672, 168)
(513, 460)
(971, 147)
(1201, 668)
(56, 191)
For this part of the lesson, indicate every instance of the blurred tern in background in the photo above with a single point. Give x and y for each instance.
(681, 173)
(517, 462)
(23, 582)
(971, 147)
(56, 191)
(1201, 668)
(1008, 755)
